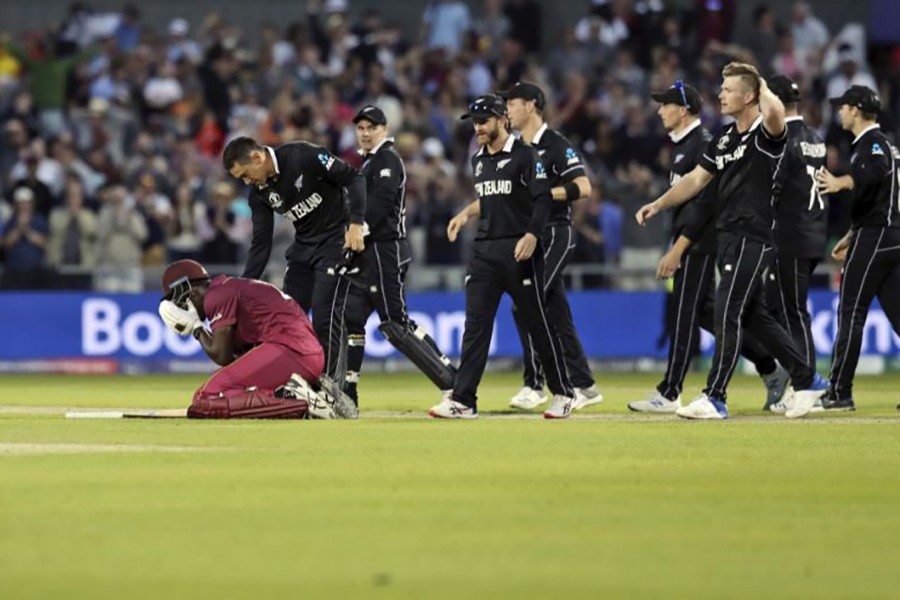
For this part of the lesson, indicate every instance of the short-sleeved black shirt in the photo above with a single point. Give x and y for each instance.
(876, 180)
(563, 165)
(385, 193)
(510, 184)
(689, 147)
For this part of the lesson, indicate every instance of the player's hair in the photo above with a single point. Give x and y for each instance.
(748, 74)
(238, 151)
(868, 116)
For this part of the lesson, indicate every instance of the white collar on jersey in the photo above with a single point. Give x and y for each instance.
(507, 147)
(376, 148)
(677, 137)
(756, 123)
(538, 134)
(274, 160)
(793, 118)
(865, 131)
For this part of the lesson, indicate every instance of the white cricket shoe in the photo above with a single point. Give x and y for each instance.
(448, 408)
(528, 398)
(560, 408)
(704, 407)
(588, 396)
(656, 403)
(805, 400)
(785, 404)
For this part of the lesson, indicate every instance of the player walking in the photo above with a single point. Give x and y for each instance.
(512, 209)
(694, 273)
(379, 283)
(568, 182)
(742, 159)
(871, 249)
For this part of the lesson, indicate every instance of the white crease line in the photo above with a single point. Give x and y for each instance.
(27, 448)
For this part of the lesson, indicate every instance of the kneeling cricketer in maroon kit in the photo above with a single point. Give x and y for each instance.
(270, 355)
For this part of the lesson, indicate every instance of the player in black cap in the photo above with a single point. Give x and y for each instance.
(742, 160)
(801, 220)
(871, 249)
(568, 182)
(304, 183)
(379, 273)
(512, 209)
(693, 270)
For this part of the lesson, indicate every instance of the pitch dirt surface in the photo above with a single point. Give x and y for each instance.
(607, 504)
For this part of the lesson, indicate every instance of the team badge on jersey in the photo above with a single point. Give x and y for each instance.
(876, 149)
(503, 163)
(723, 142)
(478, 169)
(571, 157)
(678, 158)
(326, 160)
(275, 200)
(385, 173)
(540, 172)
(298, 183)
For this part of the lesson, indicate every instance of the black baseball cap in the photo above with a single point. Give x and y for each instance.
(528, 92)
(371, 113)
(785, 88)
(861, 97)
(488, 105)
(680, 94)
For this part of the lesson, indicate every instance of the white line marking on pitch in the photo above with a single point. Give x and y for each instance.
(27, 448)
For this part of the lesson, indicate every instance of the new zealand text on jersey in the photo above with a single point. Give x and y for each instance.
(724, 159)
(493, 187)
(303, 208)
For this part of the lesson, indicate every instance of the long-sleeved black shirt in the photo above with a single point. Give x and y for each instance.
(876, 180)
(307, 189)
(385, 193)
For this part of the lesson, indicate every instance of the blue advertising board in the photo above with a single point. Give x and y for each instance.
(612, 325)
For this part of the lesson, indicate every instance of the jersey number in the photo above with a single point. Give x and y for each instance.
(814, 196)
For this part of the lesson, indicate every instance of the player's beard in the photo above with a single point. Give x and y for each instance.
(493, 135)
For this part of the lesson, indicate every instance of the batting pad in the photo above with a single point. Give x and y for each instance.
(163, 413)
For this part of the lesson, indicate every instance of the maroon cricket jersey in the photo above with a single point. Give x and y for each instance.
(260, 313)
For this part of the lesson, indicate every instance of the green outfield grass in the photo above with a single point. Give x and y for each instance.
(604, 505)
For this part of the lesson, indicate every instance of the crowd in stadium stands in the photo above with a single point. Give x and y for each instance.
(112, 130)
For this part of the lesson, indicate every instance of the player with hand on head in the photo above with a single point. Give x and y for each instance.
(512, 208)
(801, 220)
(305, 184)
(271, 360)
(694, 271)
(568, 183)
(741, 159)
(379, 272)
(871, 249)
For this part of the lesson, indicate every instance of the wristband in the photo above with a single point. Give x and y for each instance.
(573, 192)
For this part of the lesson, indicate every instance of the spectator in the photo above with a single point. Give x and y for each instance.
(156, 209)
(121, 232)
(220, 228)
(183, 229)
(526, 23)
(73, 230)
(24, 244)
(443, 24)
(41, 196)
(808, 31)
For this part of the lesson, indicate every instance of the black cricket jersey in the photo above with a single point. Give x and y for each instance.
(690, 145)
(385, 193)
(801, 217)
(876, 180)
(744, 165)
(514, 191)
(308, 190)
(563, 165)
